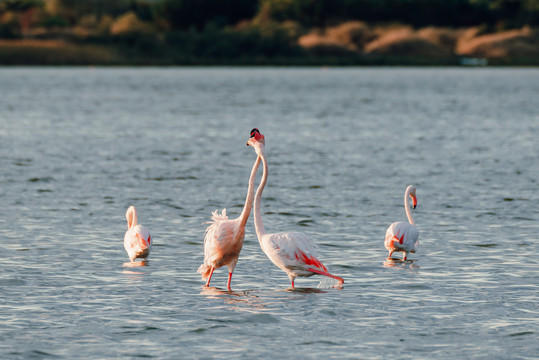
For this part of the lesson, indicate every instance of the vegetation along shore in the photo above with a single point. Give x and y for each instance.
(269, 32)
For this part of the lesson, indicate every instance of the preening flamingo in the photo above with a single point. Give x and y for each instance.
(403, 236)
(223, 239)
(294, 252)
(137, 239)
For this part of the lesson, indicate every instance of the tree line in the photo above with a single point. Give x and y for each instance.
(239, 31)
(199, 14)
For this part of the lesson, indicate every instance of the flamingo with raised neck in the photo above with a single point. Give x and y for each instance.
(293, 252)
(223, 239)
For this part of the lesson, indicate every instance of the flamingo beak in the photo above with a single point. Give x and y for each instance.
(414, 202)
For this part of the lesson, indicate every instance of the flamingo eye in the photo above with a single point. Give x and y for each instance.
(254, 132)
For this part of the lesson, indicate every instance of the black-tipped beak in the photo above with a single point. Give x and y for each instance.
(414, 206)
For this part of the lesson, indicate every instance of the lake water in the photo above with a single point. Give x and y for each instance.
(79, 145)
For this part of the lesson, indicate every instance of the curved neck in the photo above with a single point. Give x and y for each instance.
(244, 216)
(259, 227)
(407, 208)
(131, 217)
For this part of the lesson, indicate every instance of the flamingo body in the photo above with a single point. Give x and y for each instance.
(401, 236)
(293, 252)
(223, 242)
(137, 239)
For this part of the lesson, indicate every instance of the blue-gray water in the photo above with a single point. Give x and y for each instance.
(79, 145)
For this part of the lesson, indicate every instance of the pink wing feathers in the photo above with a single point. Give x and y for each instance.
(293, 251)
(401, 236)
(220, 245)
(137, 242)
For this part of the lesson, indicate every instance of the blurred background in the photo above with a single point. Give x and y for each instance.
(269, 32)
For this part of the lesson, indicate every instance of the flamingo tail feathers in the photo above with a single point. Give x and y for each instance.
(215, 216)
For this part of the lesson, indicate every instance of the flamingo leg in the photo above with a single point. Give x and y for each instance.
(404, 257)
(292, 282)
(229, 280)
(209, 277)
(339, 279)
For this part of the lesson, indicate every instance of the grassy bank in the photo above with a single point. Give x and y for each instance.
(55, 52)
(347, 44)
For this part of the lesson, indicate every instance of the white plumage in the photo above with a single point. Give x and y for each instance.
(137, 239)
(293, 252)
(403, 236)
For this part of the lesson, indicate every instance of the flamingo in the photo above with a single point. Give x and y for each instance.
(403, 236)
(137, 239)
(293, 252)
(223, 239)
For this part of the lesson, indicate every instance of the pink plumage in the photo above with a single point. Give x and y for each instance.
(137, 239)
(293, 252)
(403, 236)
(223, 239)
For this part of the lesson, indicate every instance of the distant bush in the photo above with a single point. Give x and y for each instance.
(419, 13)
(188, 14)
(20, 5)
(54, 22)
(54, 53)
(9, 26)
(246, 42)
(129, 23)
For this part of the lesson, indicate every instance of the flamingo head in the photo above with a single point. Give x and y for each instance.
(256, 138)
(131, 216)
(411, 192)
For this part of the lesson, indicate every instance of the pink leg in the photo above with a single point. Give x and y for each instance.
(341, 280)
(229, 279)
(292, 281)
(209, 277)
(404, 257)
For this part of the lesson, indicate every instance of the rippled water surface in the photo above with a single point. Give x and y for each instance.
(79, 145)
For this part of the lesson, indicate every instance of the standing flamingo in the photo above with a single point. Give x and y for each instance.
(403, 236)
(294, 252)
(223, 239)
(137, 240)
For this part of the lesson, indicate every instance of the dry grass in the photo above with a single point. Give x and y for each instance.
(53, 52)
(395, 39)
(444, 37)
(353, 34)
(429, 42)
(350, 36)
(507, 44)
(32, 43)
(405, 42)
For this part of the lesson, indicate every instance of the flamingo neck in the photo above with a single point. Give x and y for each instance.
(244, 216)
(407, 207)
(132, 219)
(259, 227)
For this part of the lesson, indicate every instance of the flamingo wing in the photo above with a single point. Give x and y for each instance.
(137, 242)
(293, 251)
(222, 242)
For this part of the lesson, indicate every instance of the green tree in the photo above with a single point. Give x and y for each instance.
(186, 14)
